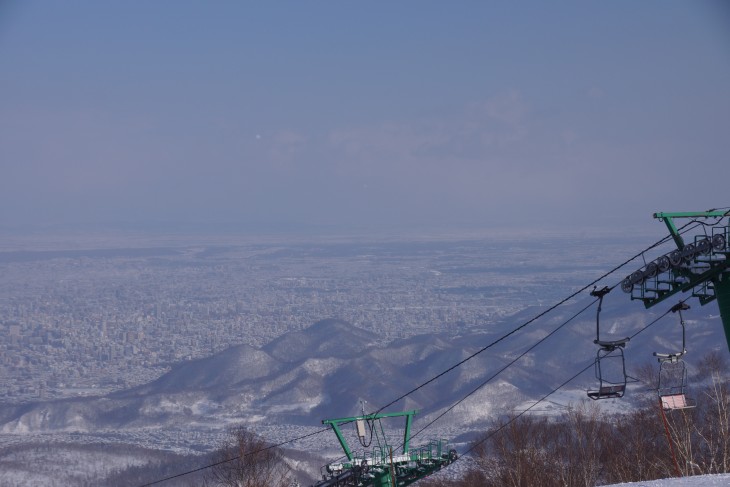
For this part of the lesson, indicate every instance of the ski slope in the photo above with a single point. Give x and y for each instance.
(722, 480)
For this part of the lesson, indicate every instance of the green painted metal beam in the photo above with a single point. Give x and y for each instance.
(669, 222)
(370, 417)
(407, 433)
(342, 440)
(693, 214)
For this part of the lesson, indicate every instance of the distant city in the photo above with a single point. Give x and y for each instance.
(88, 322)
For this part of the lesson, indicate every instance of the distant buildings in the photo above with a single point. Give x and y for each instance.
(85, 323)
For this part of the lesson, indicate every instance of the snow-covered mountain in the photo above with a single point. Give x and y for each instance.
(324, 371)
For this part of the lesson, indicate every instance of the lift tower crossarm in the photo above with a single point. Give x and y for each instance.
(335, 423)
(669, 221)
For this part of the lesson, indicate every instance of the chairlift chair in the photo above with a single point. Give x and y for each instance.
(610, 371)
(610, 365)
(672, 384)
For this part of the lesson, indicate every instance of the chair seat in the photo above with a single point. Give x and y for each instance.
(607, 392)
(610, 345)
(674, 401)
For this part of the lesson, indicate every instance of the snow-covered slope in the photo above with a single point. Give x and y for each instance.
(722, 480)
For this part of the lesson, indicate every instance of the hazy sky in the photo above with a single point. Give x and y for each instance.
(334, 114)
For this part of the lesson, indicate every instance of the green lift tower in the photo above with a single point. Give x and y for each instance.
(699, 264)
(383, 465)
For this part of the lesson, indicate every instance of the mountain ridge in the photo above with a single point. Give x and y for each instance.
(326, 369)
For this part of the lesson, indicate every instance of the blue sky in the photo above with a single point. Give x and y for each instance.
(336, 116)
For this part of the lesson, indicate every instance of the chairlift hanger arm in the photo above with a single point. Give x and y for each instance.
(607, 345)
(676, 356)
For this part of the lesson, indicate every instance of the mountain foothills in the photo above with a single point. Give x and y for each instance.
(325, 370)
(300, 378)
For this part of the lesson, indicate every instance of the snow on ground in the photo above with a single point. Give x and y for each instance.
(722, 480)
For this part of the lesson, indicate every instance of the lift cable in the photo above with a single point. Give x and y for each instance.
(717, 218)
(525, 411)
(485, 382)
(469, 450)
(462, 399)
(489, 379)
(536, 317)
(237, 457)
(682, 229)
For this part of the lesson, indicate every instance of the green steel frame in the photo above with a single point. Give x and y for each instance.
(384, 467)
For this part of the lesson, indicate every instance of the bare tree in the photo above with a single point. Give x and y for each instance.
(702, 434)
(520, 452)
(717, 432)
(585, 447)
(636, 447)
(579, 443)
(246, 460)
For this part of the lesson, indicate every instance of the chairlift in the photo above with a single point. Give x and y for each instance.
(610, 368)
(672, 384)
(610, 365)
